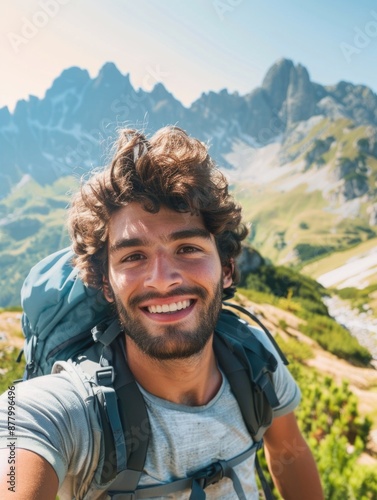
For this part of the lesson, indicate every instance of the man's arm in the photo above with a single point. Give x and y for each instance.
(290, 461)
(34, 477)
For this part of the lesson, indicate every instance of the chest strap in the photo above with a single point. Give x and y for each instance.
(198, 482)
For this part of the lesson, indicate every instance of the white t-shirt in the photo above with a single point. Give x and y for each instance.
(56, 417)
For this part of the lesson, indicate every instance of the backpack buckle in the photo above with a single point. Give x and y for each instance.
(105, 376)
(210, 475)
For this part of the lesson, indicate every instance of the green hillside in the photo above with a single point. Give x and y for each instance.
(320, 202)
(32, 226)
(295, 227)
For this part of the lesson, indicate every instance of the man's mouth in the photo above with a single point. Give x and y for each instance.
(167, 308)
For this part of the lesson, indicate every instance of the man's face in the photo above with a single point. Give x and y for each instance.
(166, 280)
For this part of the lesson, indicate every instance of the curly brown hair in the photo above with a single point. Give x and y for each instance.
(171, 170)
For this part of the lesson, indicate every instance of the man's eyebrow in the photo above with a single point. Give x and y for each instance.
(196, 232)
(177, 235)
(126, 243)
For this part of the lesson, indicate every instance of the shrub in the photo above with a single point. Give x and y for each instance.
(336, 339)
(23, 228)
(286, 283)
(306, 252)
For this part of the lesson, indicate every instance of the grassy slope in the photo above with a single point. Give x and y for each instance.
(19, 251)
(300, 216)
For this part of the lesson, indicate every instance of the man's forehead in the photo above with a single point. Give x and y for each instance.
(133, 221)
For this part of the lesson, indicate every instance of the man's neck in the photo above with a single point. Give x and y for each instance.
(191, 381)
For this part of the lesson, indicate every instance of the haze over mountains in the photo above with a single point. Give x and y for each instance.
(302, 157)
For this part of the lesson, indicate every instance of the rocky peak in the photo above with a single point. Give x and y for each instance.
(109, 74)
(276, 82)
(5, 116)
(290, 94)
(300, 96)
(71, 78)
(221, 104)
(358, 101)
(159, 92)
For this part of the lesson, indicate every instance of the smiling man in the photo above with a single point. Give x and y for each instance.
(158, 233)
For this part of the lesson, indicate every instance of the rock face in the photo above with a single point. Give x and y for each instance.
(372, 212)
(291, 95)
(345, 167)
(355, 186)
(249, 261)
(300, 96)
(319, 148)
(277, 81)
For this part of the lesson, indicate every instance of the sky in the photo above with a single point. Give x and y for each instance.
(191, 46)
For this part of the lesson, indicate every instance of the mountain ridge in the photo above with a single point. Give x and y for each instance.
(46, 137)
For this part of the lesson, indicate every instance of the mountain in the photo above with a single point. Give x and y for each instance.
(301, 157)
(67, 132)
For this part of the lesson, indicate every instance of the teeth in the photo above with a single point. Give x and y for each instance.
(174, 306)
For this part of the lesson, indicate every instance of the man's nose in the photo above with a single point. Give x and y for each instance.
(162, 273)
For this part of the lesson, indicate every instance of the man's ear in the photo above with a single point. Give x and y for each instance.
(107, 290)
(228, 270)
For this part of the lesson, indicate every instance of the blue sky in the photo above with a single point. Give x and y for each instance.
(191, 46)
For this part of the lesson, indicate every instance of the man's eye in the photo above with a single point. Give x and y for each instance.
(134, 257)
(188, 249)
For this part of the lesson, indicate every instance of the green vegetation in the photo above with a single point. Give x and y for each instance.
(11, 370)
(328, 414)
(289, 290)
(33, 228)
(363, 300)
(286, 283)
(23, 228)
(297, 226)
(306, 252)
(336, 339)
(336, 433)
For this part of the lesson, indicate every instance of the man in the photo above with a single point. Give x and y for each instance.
(158, 232)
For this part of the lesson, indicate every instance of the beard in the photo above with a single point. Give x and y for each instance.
(175, 342)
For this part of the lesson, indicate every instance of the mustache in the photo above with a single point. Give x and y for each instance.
(194, 290)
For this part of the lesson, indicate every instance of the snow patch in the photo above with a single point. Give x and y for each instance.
(25, 179)
(353, 273)
(253, 164)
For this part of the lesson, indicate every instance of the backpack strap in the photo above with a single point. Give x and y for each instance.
(197, 483)
(252, 316)
(127, 424)
(257, 362)
(249, 373)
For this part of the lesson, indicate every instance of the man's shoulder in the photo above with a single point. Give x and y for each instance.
(62, 389)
